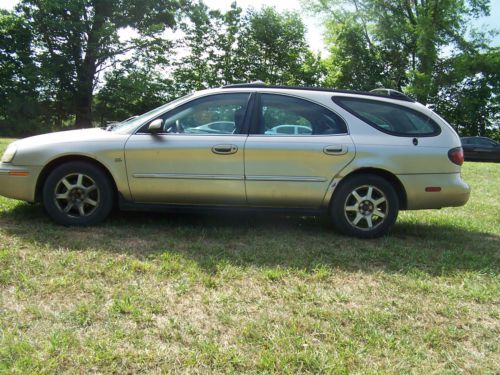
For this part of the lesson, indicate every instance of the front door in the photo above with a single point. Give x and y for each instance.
(198, 156)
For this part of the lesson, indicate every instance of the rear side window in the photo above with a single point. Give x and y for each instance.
(390, 118)
(286, 115)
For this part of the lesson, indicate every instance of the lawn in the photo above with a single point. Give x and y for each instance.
(155, 293)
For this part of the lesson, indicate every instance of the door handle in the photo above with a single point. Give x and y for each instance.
(224, 149)
(335, 149)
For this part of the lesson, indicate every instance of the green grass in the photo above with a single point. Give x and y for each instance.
(4, 143)
(253, 294)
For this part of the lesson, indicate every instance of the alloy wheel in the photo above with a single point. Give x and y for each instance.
(77, 195)
(366, 207)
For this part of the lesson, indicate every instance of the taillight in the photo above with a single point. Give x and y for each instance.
(456, 155)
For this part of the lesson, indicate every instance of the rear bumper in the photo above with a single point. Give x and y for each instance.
(454, 191)
(18, 182)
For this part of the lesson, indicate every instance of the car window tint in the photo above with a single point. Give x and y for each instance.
(390, 118)
(284, 115)
(485, 142)
(215, 114)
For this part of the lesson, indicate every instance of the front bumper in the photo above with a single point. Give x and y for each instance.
(18, 182)
(453, 190)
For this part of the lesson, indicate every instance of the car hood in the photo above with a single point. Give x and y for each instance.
(70, 136)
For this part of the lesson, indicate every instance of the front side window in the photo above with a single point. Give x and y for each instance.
(215, 114)
(390, 118)
(284, 115)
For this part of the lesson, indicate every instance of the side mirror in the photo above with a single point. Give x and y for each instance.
(155, 126)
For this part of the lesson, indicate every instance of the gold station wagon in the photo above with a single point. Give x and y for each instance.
(355, 156)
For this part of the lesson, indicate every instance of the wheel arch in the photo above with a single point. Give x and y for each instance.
(49, 167)
(388, 176)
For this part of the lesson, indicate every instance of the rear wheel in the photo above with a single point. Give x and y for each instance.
(77, 193)
(364, 206)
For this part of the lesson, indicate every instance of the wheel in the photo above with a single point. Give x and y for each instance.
(77, 193)
(364, 206)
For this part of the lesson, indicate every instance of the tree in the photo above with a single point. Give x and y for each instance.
(469, 94)
(354, 62)
(129, 91)
(60, 59)
(76, 38)
(19, 76)
(203, 49)
(273, 49)
(403, 38)
(224, 48)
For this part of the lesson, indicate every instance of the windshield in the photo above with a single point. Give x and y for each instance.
(126, 126)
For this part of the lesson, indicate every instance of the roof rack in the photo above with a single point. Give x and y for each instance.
(391, 93)
(379, 92)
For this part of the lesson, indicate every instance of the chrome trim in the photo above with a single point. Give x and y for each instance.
(297, 135)
(286, 178)
(183, 176)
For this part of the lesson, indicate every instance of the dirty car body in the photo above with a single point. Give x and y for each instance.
(359, 158)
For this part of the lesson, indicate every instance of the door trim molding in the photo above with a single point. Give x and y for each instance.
(188, 176)
(286, 178)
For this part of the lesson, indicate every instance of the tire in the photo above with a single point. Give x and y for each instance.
(78, 193)
(364, 206)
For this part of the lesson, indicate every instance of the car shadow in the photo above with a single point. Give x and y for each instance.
(258, 240)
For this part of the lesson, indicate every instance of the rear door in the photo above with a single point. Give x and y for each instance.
(295, 169)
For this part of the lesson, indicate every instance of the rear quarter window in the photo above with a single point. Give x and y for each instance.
(390, 118)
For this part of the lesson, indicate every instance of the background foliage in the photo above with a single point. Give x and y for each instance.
(65, 63)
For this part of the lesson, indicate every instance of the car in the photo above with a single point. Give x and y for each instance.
(219, 127)
(480, 149)
(367, 156)
(289, 129)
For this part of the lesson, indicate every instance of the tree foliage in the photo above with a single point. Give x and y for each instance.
(232, 47)
(74, 39)
(273, 49)
(469, 92)
(217, 48)
(65, 62)
(19, 76)
(57, 52)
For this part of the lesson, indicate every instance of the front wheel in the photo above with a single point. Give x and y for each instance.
(364, 206)
(77, 193)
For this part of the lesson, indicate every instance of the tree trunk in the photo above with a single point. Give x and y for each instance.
(83, 111)
(85, 86)
(86, 74)
(84, 90)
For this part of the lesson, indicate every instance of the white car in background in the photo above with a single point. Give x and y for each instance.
(289, 129)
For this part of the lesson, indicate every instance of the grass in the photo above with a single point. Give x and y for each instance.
(4, 142)
(230, 294)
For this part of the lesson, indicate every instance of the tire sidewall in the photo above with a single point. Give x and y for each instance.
(344, 190)
(100, 178)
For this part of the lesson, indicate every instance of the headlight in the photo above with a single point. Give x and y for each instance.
(9, 154)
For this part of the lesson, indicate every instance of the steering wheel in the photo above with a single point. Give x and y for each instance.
(179, 127)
